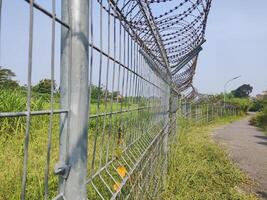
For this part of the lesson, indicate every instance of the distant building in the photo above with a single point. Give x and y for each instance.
(259, 96)
(118, 98)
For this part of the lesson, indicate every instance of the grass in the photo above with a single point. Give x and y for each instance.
(12, 133)
(200, 169)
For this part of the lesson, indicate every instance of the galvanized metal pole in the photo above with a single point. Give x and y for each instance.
(207, 113)
(201, 113)
(74, 97)
(190, 108)
(197, 112)
(212, 114)
(173, 107)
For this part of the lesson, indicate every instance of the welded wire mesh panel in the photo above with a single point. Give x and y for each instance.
(112, 107)
(128, 113)
(29, 112)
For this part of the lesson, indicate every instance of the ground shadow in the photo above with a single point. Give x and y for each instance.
(262, 194)
(261, 137)
(263, 143)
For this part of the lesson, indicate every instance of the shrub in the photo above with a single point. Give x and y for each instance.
(242, 104)
(260, 119)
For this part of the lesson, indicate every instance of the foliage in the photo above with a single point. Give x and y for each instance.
(6, 81)
(44, 86)
(6, 74)
(15, 101)
(259, 103)
(215, 99)
(260, 119)
(101, 93)
(242, 104)
(12, 133)
(243, 91)
(96, 91)
(200, 169)
(115, 94)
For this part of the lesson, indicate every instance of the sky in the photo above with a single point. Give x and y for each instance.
(236, 44)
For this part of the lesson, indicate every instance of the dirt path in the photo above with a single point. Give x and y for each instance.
(248, 148)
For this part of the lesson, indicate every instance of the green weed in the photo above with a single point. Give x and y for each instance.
(200, 169)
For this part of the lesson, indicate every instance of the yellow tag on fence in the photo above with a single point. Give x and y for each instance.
(116, 187)
(122, 171)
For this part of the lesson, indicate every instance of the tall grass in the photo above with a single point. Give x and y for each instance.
(12, 134)
(200, 169)
(15, 101)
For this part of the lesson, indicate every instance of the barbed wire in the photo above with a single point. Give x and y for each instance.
(181, 29)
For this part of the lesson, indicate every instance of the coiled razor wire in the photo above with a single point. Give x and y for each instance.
(180, 25)
(167, 32)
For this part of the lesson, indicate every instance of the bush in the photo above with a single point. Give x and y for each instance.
(260, 119)
(242, 104)
(44, 86)
(258, 104)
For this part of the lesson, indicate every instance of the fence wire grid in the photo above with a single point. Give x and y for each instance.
(125, 68)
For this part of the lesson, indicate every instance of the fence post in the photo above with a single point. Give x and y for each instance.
(171, 130)
(196, 112)
(190, 108)
(201, 113)
(172, 111)
(212, 110)
(72, 167)
(207, 113)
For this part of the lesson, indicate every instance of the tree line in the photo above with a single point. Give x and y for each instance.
(44, 86)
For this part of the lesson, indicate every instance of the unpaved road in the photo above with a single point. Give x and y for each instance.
(248, 148)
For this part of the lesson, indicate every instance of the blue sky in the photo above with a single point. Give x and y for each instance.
(236, 44)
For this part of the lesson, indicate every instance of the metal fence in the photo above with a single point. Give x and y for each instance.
(125, 66)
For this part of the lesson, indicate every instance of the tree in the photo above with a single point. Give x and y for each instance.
(96, 91)
(44, 86)
(6, 81)
(115, 94)
(259, 102)
(243, 91)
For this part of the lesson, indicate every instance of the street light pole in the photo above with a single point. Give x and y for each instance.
(224, 96)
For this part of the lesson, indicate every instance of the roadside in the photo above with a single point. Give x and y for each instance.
(200, 169)
(247, 146)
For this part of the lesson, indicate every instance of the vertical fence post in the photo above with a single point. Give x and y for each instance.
(74, 97)
(212, 110)
(207, 113)
(201, 113)
(172, 111)
(190, 111)
(196, 112)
